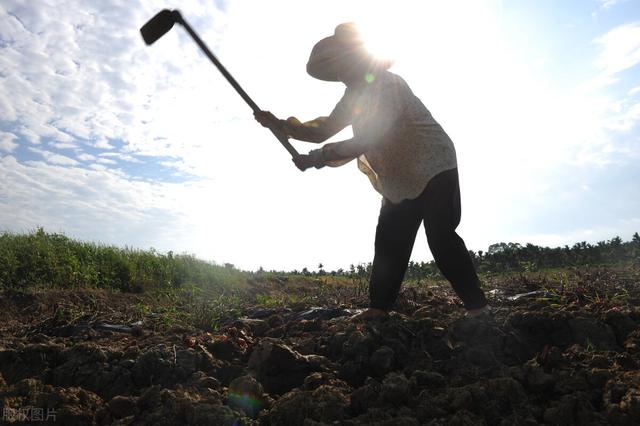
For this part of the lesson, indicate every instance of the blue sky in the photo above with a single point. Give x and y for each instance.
(108, 140)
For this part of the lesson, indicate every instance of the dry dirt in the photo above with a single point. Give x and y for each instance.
(568, 354)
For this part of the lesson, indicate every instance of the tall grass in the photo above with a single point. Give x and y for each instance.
(55, 261)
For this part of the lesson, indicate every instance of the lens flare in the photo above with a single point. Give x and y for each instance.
(248, 403)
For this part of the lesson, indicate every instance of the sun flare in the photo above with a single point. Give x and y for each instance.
(379, 40)
(390, 32)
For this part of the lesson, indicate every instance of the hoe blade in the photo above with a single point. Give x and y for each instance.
(158, 26)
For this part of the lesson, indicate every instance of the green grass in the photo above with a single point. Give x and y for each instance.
(49, 260)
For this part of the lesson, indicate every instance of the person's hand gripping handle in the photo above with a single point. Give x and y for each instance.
(267, 119)
(277, 127)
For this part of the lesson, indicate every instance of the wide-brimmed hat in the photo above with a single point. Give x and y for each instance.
(342, 53)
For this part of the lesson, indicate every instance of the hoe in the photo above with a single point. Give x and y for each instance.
(160, 24)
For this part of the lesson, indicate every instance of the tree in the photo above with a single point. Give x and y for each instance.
(352, 270)
(497, 248)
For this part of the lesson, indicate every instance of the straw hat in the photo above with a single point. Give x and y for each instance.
(342, 53)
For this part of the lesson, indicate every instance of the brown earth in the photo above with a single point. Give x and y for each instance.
(568, 354)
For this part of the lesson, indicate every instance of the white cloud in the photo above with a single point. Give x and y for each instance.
(85, 157)
(619, 49)
(7, 143)
(106, 161)
(607, 4)
(121, 156)
(53, 158)
(178, 165)
(102, 143)
(626, 119)
(31, 136)
(64, 145)
(98, 167)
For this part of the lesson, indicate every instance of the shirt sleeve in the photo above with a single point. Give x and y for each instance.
(321, 128)
(342, 114)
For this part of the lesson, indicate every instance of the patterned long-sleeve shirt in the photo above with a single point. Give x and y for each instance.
(402, 147)
(396, 140)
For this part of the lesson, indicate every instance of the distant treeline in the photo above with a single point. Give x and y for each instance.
(54, 260)
(515, 257)
(510, 257)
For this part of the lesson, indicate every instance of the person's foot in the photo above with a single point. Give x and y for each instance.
(370, 314)
(479, 312)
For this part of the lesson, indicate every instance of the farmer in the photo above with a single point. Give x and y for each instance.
(408, 158)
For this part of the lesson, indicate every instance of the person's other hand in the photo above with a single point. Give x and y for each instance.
(315, 159)
(303, 162)
(267, 119)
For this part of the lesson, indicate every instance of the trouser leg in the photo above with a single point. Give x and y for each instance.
(395, 235)
(441, 207)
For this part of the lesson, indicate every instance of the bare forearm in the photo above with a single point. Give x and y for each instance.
(314, 131)
(304, 134)
(333, 154)
(345, 150)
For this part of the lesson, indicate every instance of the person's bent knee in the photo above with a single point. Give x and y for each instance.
(441, 242)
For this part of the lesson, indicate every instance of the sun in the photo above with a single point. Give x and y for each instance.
(379, 41)
(388, 32)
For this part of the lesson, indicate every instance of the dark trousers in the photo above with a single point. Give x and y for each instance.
(439, 208)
